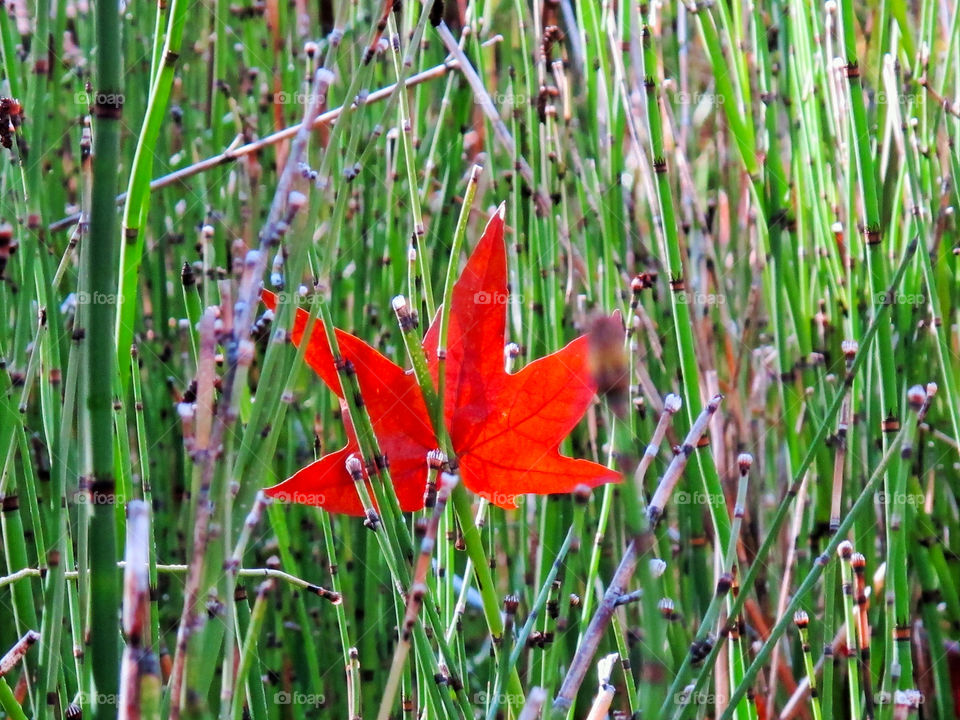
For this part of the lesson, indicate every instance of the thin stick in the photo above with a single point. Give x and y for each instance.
(15, 654)
(604, 698)
(330, 595)
(675, 469)
(535, 701)
(671, 406)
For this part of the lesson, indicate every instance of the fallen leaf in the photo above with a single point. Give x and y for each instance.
(505, 428)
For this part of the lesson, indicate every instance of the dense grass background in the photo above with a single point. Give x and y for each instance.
(766, 191)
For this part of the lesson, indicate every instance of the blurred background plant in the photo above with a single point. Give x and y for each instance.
(767, 193)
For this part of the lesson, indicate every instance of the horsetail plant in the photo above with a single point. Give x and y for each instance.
(753, 201)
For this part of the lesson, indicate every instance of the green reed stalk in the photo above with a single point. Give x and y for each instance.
(845, 551)
(98, 279)
(802, 621)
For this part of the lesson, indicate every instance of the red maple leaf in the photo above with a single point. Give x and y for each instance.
(505, 428)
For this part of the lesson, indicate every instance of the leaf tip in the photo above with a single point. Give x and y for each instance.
(268, 298)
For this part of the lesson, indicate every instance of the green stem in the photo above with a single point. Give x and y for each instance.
(98, 278)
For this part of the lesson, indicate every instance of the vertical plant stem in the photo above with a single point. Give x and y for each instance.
(98, 277)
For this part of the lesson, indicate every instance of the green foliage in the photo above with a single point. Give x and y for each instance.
(765, 191)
